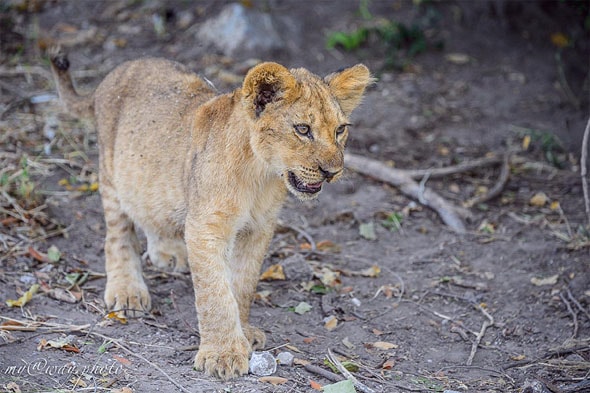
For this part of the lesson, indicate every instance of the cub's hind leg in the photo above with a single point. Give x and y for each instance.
(126, 291)
(167, 253)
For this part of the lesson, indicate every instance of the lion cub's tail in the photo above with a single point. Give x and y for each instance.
(75, 104)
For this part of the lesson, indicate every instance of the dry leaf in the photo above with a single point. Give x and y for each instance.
(314, 385)
(555, 206)
(518, 357)
(309, 340)
(62, 295)
(115, 315)
(64, 343)
(274, 272)
(293, 348)
(25, 298)
(377, 332)
(551, 280)
(560, 40)
(388, 365)
(347, 343)
(273, 380)
(330, 322)
(78, 382)
(526, 141)
(36, 255)
(327, 246)
(12, 387)
(458, 58)
(122, 390)
(328, 277)
(302, 308)
(372, 271)
(383, 345)
(122, 360)
(300, 362)
(539, 199)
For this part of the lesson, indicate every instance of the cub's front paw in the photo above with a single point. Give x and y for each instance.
(224, 361)
(255, 336)
(130, 299)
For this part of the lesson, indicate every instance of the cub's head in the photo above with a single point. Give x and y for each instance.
(301, 121)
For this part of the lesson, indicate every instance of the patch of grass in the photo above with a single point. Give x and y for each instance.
(393, 221)
(19, 185)
(548, 143)
(402, 41)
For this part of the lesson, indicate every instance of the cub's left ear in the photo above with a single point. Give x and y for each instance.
(265, 84)
(348, 86)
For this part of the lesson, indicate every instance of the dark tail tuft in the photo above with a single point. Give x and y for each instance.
(59, 58)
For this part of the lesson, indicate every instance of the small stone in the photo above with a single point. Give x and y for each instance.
(296, 268)
(285, 358)
(262, 364)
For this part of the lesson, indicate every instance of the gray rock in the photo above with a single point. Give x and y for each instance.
(285, 358)
(262, 364)
(296, 268)
(241, 31)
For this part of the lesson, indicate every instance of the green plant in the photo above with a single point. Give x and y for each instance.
(393, 221)
(402, 41)
(548, 142)
(19, 184)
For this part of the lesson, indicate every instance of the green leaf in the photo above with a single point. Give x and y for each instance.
(302, 308)
(393, 221)
(367, 231)
(340, 387)
(53, 254)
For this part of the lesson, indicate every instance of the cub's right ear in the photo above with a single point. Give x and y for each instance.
(265, 84)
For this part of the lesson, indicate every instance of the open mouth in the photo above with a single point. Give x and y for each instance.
(302, 186)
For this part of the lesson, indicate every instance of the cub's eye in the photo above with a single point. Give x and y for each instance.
(304, 130)
(340, 130)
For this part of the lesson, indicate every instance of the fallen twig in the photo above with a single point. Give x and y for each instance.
(448, 213)
(330, 376)
(498, 187)
(486, 324)
(584, 169)
(562, 351)
(359, 385)
(577, 303)
(572, 313)
(118, 343)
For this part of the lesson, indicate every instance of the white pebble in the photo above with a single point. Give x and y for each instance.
(262, 364)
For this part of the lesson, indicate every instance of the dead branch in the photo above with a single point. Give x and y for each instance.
(359, 385)
(486, 324)
(572, 313)
(330, 376)
(454, 169)
(498, 187)
(577, 303)
(582, 345)
(398, 178)
(584, 169)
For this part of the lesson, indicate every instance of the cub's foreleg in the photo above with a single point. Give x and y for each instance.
(224, 350)
(248, 254)
(125, 291)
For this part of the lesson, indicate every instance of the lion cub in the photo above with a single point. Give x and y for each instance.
(204, 176)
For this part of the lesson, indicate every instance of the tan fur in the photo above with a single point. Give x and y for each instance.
(204, 176)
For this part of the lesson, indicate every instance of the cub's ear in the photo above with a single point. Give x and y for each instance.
(348, 86)
(266, 83)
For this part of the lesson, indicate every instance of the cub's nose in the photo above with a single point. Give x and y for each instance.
(329, 174)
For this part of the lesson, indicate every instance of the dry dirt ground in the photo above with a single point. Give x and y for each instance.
(415, 306)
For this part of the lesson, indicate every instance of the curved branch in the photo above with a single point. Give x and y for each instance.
(449, 213)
